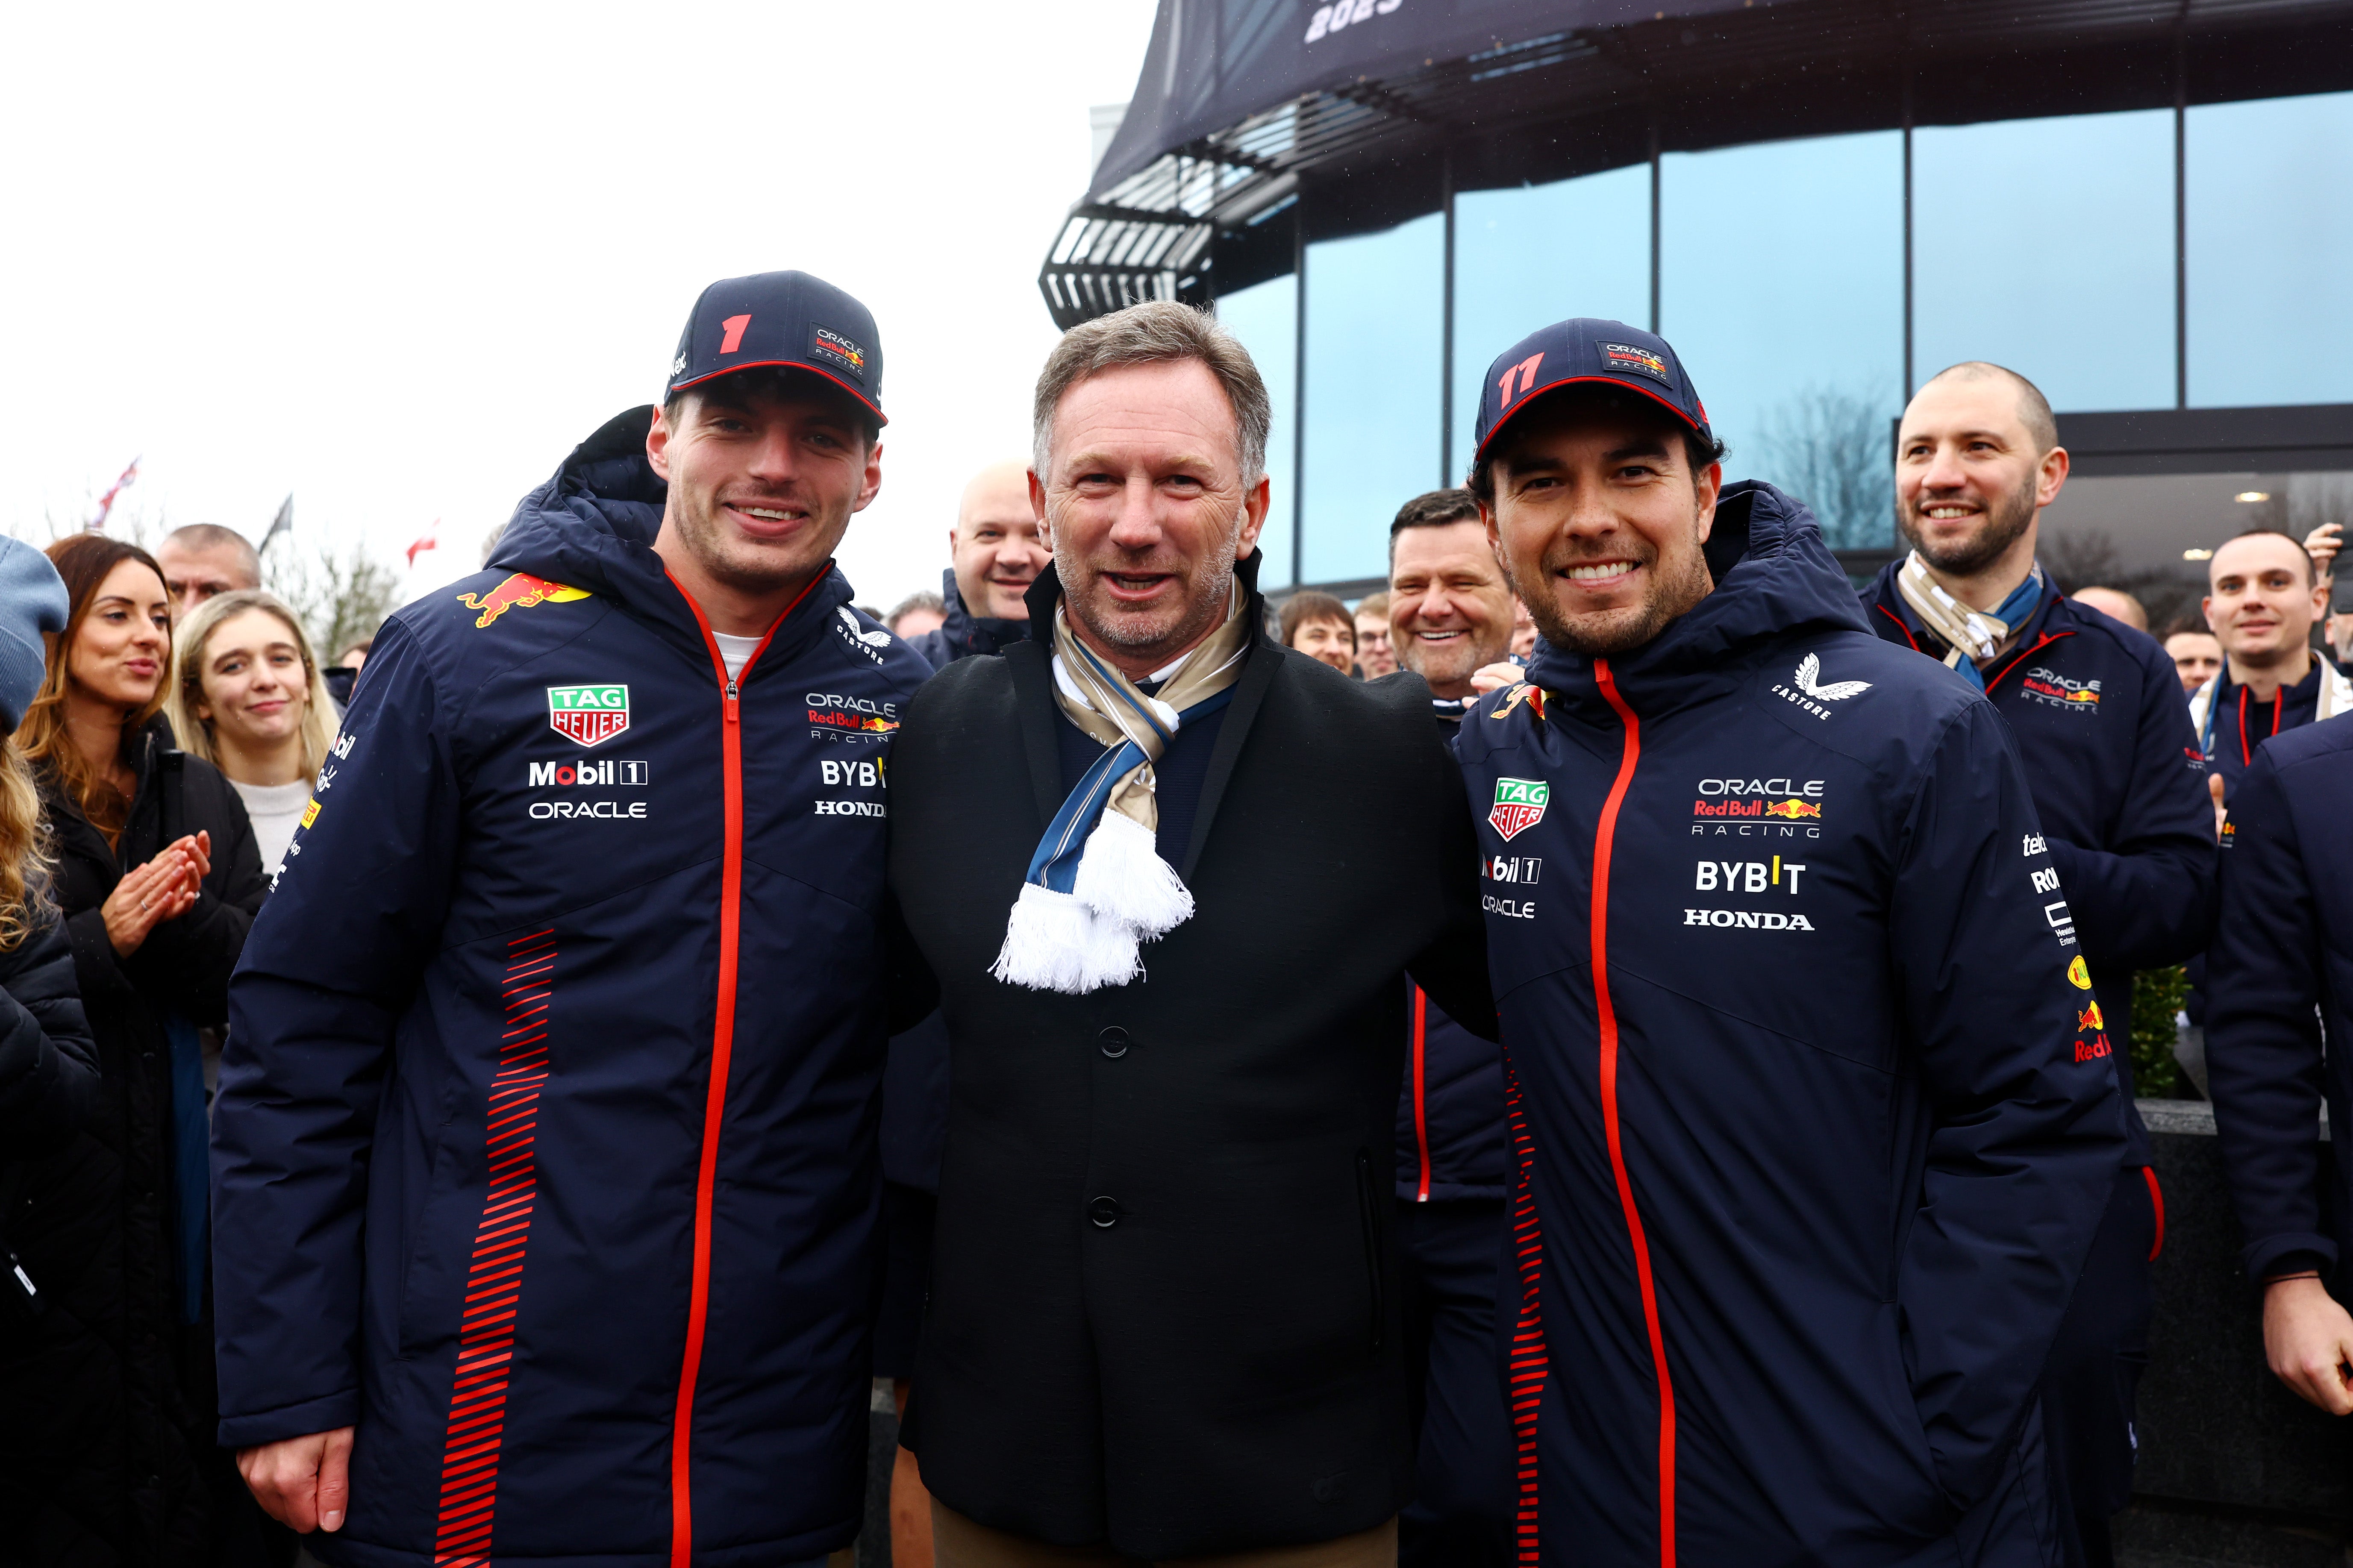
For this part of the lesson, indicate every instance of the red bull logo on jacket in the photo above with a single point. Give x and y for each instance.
(589, 715)
(1793, 809)
(521, 591)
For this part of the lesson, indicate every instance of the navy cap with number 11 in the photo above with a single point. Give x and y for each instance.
(1587, 349)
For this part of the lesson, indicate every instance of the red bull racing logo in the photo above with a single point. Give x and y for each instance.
(521, 591)
(1791, 810)
(1631, 356)
(589, 715)
(1519, 806)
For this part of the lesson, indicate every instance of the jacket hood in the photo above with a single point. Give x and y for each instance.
(969, 634)
(592, 526)
(1774, 579)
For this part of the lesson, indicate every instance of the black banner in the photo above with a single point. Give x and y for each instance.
(1213, 63)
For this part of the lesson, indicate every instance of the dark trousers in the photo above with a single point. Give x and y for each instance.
(1450, 1255)
(2094, 1371)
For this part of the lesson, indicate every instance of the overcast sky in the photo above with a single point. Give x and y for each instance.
(399, 260)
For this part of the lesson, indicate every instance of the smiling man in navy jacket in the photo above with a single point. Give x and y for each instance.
(1813, 1129)
(2121, 788)
(544, 1170)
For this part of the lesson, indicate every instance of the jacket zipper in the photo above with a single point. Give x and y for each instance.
(723, 1047)
(1420, 1111)
(1604, 836)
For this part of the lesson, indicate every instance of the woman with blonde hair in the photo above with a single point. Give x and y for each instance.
(157, 879)
(249, 700)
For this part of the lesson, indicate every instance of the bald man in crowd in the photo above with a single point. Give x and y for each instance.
(2114, 603)
(2120, 790)
(997, 556)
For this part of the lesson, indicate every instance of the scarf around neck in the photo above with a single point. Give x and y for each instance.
(1097, 887)
(1978, 634)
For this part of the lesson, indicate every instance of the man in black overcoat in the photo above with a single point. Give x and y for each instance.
(1163, 1313)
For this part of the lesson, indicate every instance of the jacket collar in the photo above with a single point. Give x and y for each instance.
(1774, 578)
(970, 634)
(592, 525)
(2051, 615)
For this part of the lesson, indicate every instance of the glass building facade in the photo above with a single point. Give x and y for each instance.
(2197, 257)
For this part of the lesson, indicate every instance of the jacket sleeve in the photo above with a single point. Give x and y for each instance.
(2146, 898)
(327, 972)
(48, 1067)
(2025, 1131)
(185, 963)
(1453, 969)
(2262, 1035)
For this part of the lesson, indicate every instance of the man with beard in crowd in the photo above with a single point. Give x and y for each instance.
(2121, 792)
(1163, 1316)
(1450, 616)
(1814, 1131)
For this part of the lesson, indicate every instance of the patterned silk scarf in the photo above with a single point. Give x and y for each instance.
(1097, 887)
(1973, 637)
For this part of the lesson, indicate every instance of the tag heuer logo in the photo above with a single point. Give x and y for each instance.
(1519, 806)
(590, 715)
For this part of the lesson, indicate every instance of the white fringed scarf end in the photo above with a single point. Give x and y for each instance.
(1122, 878)
(1055, 942)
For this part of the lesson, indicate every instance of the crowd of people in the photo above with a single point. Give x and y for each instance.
(1683, 1112)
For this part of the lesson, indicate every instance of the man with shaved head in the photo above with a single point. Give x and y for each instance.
(997, 555)
(2119, 785)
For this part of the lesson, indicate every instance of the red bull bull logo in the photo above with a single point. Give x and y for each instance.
(521, 591)
(2089, 1022)
(1791, 810)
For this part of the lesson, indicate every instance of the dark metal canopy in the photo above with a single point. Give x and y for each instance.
(1247, 107)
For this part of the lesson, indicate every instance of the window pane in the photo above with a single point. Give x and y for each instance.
(1265, 316)
(1526, 258)
(1375, 330)
(1781, 288)
(2270, 251)
(2047, 245)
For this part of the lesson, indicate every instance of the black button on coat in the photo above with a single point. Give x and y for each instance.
(1218, 1367)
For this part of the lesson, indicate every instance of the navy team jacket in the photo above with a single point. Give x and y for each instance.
(2118, 782)
(2282, 968)
(545, 1143)
(1813, 1118)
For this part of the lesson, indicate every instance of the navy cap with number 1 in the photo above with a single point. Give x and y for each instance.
(786, 321)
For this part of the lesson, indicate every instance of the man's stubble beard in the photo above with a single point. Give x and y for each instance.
(2009, 519)
(1619, 630)
(746, 568)
(1208, 596)
(1450, 664)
